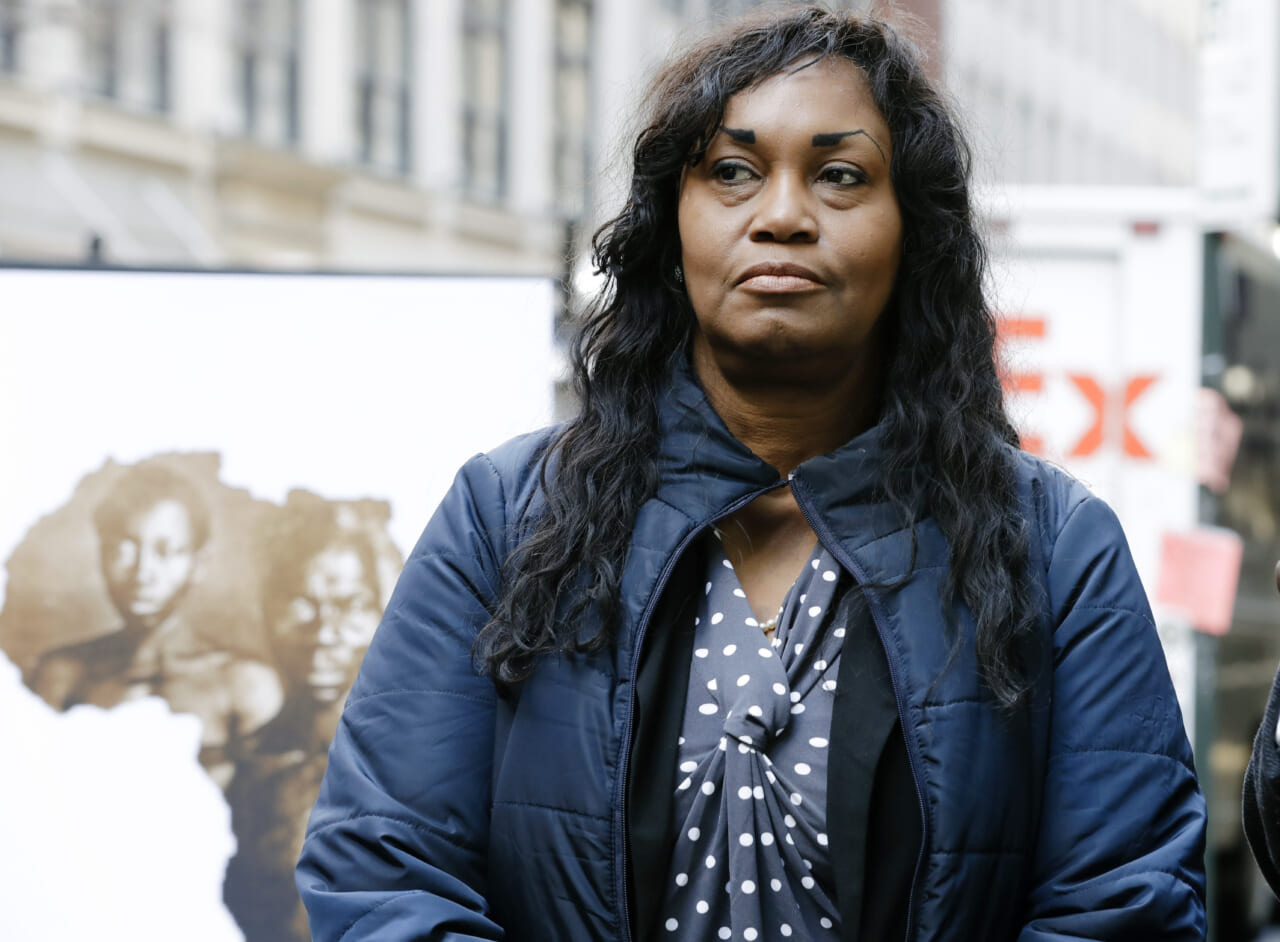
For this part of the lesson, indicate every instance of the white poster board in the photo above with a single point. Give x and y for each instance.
(353, 398)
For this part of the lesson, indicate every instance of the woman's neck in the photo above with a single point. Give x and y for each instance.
(785, 423)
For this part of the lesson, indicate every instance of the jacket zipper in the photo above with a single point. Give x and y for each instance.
(836, 548)
(628, 730)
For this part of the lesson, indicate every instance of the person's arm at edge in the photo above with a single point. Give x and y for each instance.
(1262, 788)
(1120, 853)
(54, 677)
(396, 844)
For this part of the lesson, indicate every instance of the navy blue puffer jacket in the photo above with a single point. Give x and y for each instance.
(448, 813)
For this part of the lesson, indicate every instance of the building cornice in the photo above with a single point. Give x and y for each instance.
(247, 161)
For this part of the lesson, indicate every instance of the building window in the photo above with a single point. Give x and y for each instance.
(485, 100)
(9, 27)
(269, 69)
(383, 83)
(1023, 130)
(573, 101)
(1053, 148)
(731, 8)
(126, 51)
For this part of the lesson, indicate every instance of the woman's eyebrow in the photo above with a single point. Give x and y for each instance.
(828, 139)
(831, 139)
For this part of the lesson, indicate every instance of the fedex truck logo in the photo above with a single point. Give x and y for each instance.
(1110, 404)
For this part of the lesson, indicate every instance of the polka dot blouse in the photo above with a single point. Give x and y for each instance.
(750, 859)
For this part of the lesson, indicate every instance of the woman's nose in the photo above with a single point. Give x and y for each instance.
(784, 211)
(147, 565)
(329, 634)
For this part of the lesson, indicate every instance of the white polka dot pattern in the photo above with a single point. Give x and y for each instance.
(753, 860)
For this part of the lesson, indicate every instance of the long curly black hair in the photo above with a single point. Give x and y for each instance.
(942, 420)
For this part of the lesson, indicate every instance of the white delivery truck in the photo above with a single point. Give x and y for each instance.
(1100, 298)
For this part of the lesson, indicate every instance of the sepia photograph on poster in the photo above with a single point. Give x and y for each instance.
(211, 483)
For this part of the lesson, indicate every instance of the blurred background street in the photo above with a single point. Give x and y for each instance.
(1126, 155)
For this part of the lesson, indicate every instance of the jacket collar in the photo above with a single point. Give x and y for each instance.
(705, 469)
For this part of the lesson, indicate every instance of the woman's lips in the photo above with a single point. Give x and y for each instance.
(779, 278)
(779, 284)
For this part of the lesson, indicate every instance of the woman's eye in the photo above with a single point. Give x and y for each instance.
(843, 176)
(732, 173)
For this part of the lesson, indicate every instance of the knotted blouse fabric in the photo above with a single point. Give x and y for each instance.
(750, 859)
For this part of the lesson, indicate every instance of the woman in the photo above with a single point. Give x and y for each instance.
(603, 704)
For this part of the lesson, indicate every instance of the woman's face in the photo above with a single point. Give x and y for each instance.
(790, 227)
(150, 563)
(322, 635)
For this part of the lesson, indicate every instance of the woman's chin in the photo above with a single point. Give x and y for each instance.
(791, 359)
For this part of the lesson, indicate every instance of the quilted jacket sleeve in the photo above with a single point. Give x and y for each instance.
(1262, 793)
(395, 849)
(1122, 830)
